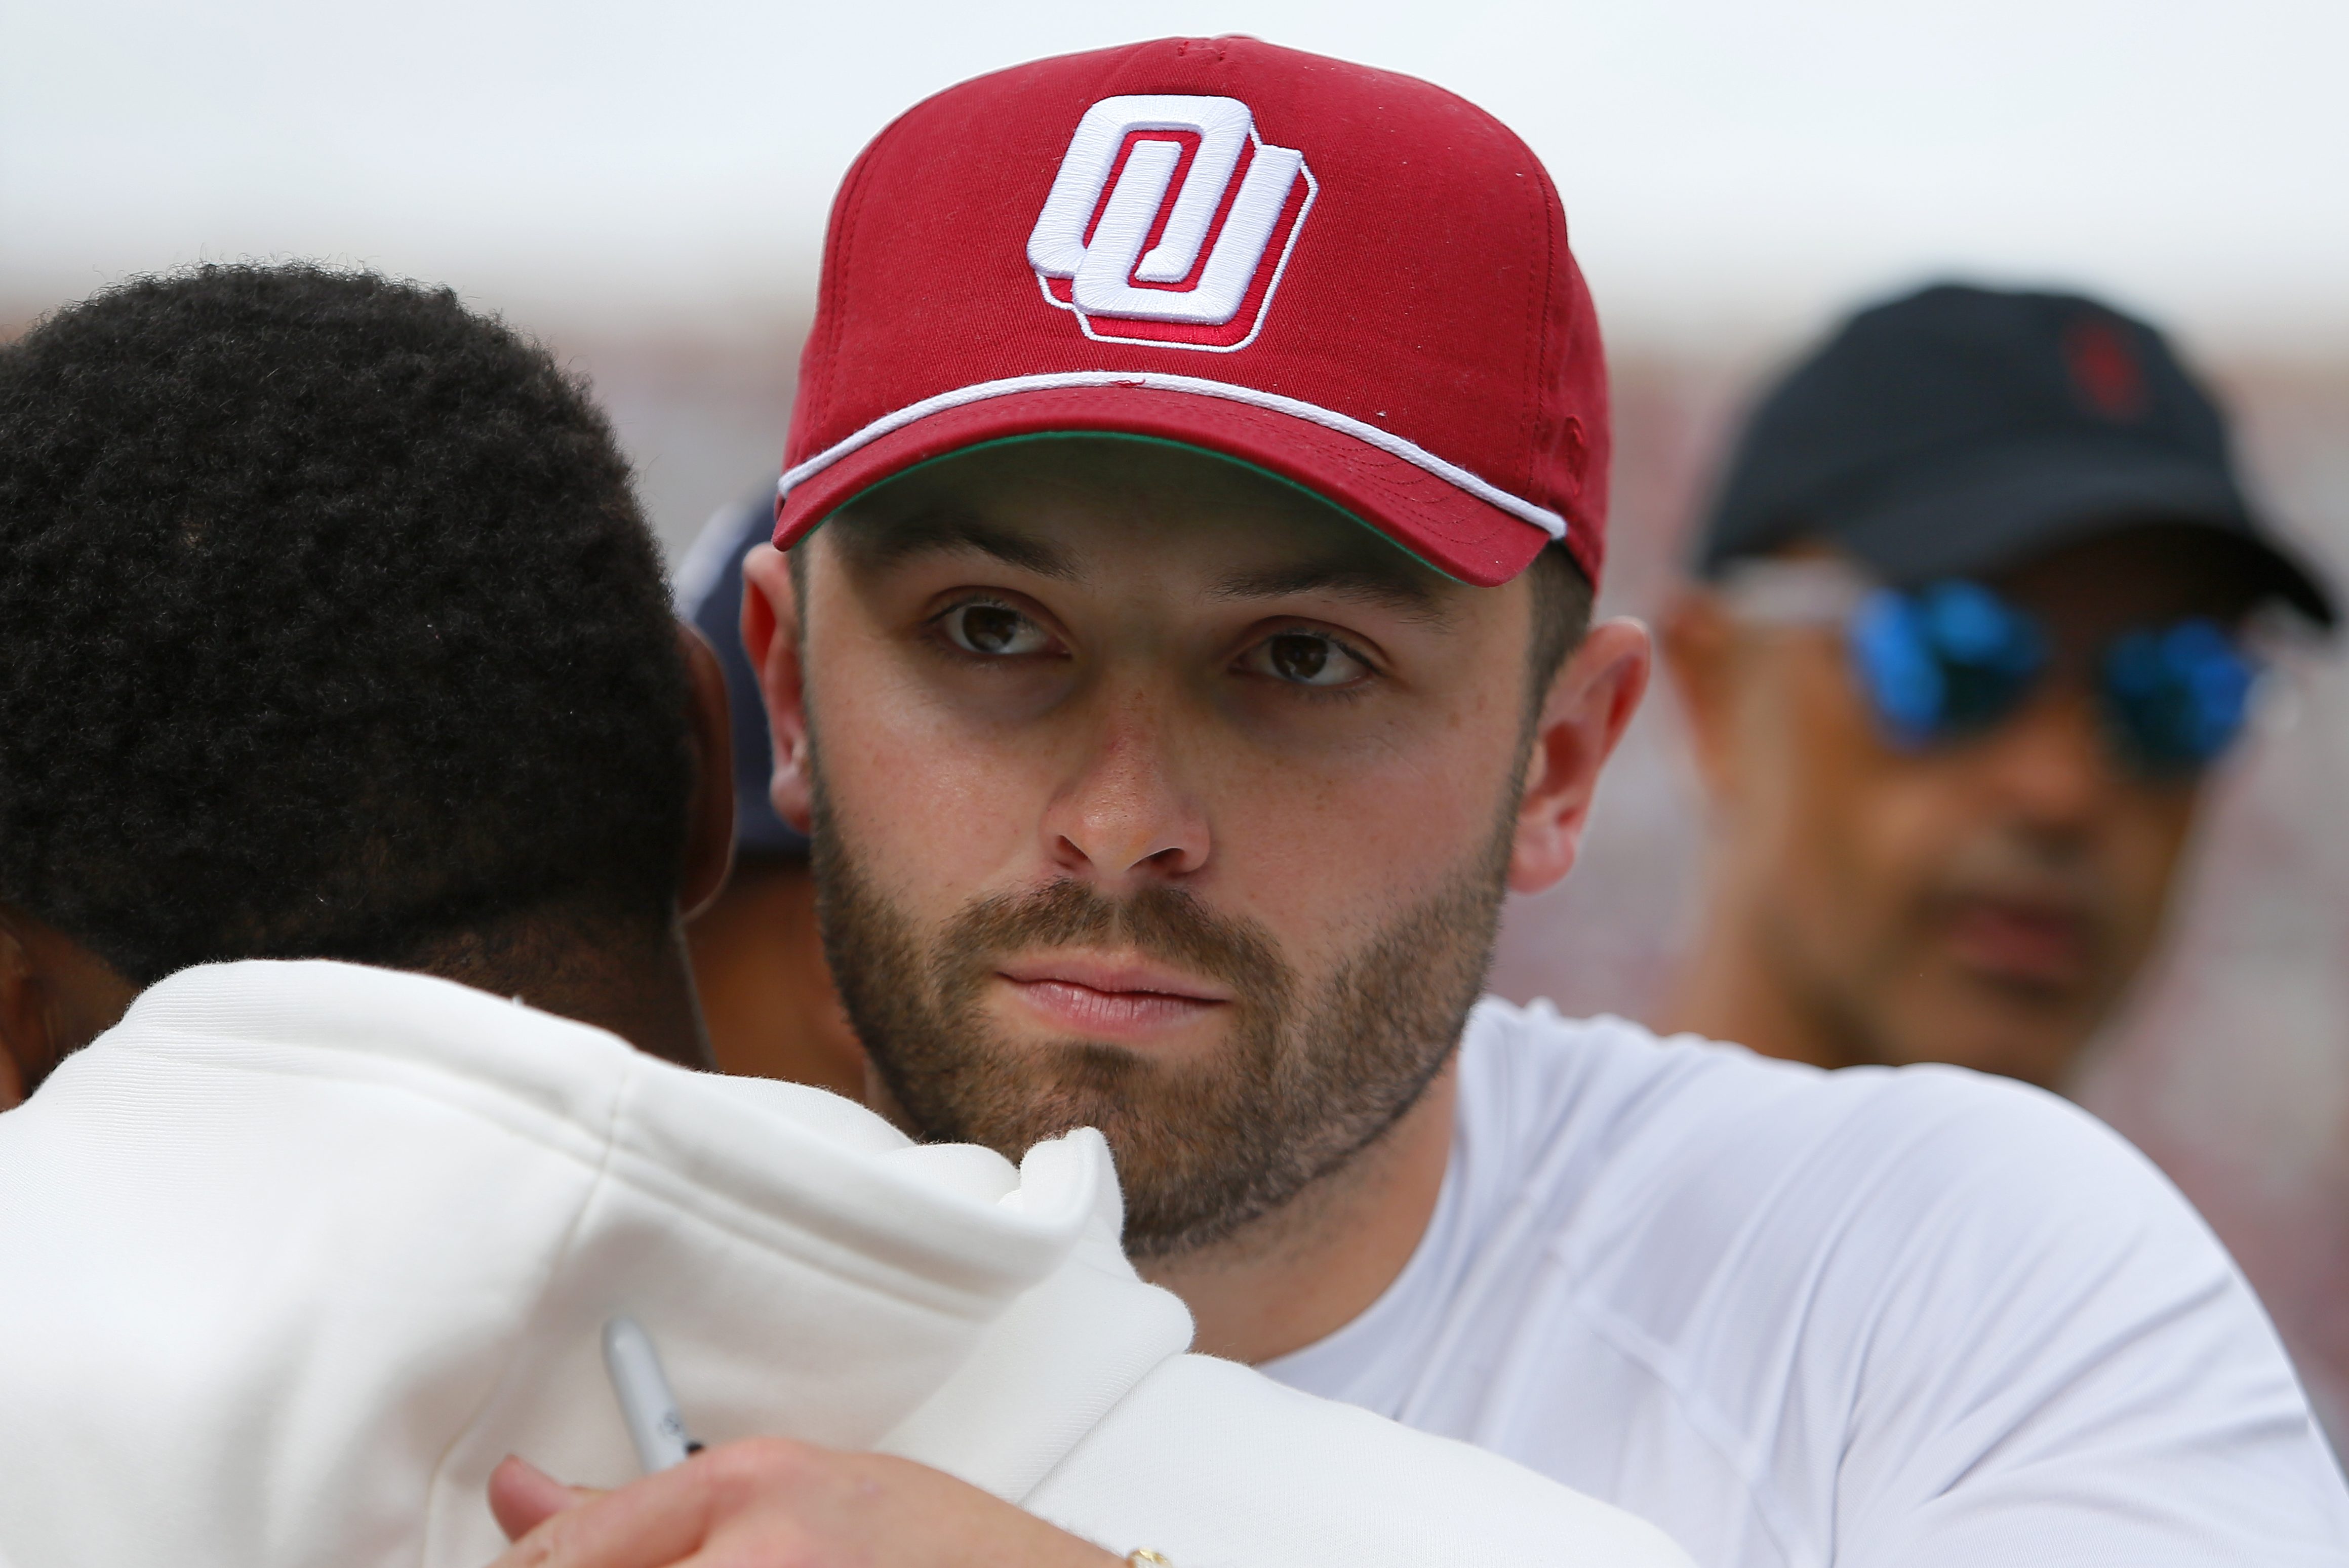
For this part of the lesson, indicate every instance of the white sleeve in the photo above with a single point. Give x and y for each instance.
(1211, 1463)
(2065, 1367)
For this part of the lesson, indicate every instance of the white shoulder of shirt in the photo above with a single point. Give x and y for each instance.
(1632, 1132)
(2020, 1337)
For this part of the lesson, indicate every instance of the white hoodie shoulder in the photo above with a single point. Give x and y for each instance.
(295, 1255)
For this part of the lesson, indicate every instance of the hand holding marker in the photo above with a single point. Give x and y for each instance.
(646, 1402)
(656, 1428)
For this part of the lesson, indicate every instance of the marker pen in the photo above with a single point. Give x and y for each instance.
(646, 1402)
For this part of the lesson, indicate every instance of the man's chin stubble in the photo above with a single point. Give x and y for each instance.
(1205, 1149)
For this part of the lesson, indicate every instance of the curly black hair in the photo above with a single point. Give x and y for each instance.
(329, 627)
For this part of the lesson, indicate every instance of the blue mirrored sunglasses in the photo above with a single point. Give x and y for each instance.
(1954, 659)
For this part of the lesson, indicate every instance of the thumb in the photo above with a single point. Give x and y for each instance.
(522, 1496)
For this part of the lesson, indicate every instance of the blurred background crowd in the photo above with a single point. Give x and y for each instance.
(644, 189)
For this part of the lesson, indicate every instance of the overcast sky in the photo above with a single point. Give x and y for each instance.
(1730, 167)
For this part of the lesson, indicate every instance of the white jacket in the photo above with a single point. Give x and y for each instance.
(292, 1257)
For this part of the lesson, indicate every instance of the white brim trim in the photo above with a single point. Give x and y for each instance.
(1548, 521)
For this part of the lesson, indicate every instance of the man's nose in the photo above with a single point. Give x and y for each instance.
(1125, 817)
(2050, 762)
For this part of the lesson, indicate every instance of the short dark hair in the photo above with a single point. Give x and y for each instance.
(329, 627)
(1562, 605)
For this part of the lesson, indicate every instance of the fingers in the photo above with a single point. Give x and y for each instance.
(522, 1496)
(649, 1523)
(772, 1501)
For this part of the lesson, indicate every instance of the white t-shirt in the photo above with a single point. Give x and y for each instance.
(1877, 1318)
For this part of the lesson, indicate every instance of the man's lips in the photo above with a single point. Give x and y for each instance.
(2026, 942)
(1110, 998)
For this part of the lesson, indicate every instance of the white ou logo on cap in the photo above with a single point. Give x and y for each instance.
(1088, 252)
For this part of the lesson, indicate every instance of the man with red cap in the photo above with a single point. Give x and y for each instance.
(1193, 505)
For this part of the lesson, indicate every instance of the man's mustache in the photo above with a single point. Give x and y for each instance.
(2016, 869)
(1168, 924)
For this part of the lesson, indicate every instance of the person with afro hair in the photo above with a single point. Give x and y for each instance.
(334, 630)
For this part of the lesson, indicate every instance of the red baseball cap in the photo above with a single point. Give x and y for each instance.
(1350, 278)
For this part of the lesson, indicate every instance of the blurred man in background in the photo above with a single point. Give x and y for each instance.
(1973, 630)
(758, 959)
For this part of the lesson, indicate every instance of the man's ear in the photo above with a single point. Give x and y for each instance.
(56, 996)
(771, 635)
(1589, 704)
(1699, 641)
(709, 816)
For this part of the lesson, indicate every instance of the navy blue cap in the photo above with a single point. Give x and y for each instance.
(710, 596)
(1960, 431)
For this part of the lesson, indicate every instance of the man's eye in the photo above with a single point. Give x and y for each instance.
(994, 630)
(1306, 658)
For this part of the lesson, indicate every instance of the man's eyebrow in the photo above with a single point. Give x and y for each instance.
(877, 541)
(1392, 586)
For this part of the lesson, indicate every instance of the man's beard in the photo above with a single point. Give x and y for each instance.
(1307, 1081)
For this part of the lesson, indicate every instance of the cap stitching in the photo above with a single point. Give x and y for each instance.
(1537, 331)
(836, 271)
